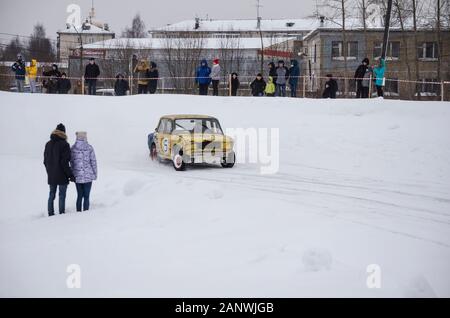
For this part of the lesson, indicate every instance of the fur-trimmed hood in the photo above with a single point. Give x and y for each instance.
(58, 134)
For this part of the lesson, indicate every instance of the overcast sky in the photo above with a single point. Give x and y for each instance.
(19, 16)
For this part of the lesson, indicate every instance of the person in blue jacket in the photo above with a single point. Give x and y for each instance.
(294, 73)
(203, 77)
(378, 73)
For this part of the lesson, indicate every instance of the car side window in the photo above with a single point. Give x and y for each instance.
(169, 127)
(161, 126)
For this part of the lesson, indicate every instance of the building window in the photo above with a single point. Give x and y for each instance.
(428, 87)
(315, 53)
(428, 51)
(393, 50)
(337, 52)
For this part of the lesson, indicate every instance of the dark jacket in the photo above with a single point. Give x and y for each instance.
(273, 71)
(121, 87)
(153, 76)
(331, 87)
(57, 159)
(258, 87)
(52, 82)
(92, 72)
(203, 74)
(64, 86)
(234, 84)
(294, 73)
(19, 69)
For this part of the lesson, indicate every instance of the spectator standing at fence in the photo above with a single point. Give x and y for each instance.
(203, 78)
(32, 74)
(153, 75)
(215, 76)
(294, 73)
(91, 73)
(258, 85)
(51, 82)
(331, 87)
(234, 84)
(378, 73)
(64, 84)
(270, 87)
(121, 85)
(362, 77)
(19, 70)
(273, 71)
(282, 77)
(142, 69)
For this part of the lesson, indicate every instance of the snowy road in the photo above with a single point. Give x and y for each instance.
(359, 184)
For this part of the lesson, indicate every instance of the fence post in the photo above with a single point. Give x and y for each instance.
(131, 88)
(82, 84)
(162, 85)
(229, 84)
(370, 86)
(442, 91)
(304, 86)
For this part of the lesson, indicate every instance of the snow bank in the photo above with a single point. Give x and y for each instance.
(360, 183)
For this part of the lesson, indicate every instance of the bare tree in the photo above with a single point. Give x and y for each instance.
(181, 57)
(137, 29)
(39, 46)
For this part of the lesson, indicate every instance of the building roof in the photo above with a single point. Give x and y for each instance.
(161, 43)
(85, 28)
(282, 25)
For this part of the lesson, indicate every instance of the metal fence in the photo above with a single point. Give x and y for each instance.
(307, 87)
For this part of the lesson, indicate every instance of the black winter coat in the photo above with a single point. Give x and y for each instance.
(235, 84)
(360, 72)
(331, 87)
(121, 87)
(153, 75)
(57, 159)
(64, 86)
(52, 83)
(273, 72)
(258, 87)
(92, 71)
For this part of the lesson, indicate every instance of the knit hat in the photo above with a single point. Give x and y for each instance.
(81, 135)
(61, 127)
(216, 61)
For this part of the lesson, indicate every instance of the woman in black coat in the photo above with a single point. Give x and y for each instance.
(121, 86)
(258, 86)
(153, 75)
(331, 87)
(64, 85)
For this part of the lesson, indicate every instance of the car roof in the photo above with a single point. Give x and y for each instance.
(173, 117)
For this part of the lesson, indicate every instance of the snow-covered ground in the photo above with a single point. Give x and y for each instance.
(360, 183)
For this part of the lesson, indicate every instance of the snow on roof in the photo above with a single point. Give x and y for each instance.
(85, 28)
(161, 43)
(304, 24)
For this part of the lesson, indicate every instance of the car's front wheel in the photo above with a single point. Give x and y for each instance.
(178, 162)
(228, 161)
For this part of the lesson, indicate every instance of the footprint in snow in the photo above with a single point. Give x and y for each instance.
(316, 260)
(132, 187)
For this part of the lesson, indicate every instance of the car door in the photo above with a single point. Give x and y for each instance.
(164, 138)
(158, 136)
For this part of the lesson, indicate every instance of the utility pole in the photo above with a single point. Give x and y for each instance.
(81, 49)
(387, 23)
(258, 19)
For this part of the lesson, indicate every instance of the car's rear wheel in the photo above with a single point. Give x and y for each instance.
(228, 162)
(153, 152)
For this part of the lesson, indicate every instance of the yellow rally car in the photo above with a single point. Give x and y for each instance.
(191, 139)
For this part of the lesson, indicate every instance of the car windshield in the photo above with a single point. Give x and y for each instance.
(198, 125)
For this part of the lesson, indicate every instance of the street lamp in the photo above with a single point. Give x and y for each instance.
(81, 49)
